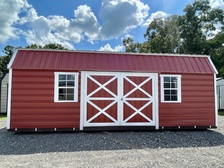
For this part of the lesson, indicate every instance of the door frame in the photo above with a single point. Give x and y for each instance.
(120, 84)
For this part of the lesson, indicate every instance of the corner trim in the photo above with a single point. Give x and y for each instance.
(213, 66)
(12, 59)
(9, 99)
(215, 98)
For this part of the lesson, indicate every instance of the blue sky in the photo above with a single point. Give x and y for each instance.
(82, 24)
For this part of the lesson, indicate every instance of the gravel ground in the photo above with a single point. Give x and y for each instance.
(113, 149)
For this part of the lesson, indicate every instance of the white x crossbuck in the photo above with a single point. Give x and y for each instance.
(119, 99)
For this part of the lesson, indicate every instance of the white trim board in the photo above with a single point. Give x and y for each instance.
(9, 99)
(12, 59)
(215, 97)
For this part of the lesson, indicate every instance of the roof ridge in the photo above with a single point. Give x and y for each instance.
(118, 53)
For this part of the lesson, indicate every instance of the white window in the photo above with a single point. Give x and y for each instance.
(170, 88)
(65, 87)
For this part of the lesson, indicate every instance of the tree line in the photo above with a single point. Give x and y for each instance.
(200, 30)
(9, 50)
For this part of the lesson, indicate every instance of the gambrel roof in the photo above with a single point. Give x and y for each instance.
(110, 61)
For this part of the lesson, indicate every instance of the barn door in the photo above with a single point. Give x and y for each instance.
(118, 99)
(138, 99)
(100, 99)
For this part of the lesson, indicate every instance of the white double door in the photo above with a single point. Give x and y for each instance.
(119, 99)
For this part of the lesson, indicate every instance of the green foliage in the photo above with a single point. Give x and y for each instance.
(197, 24)
(217, 52)
(54, 46)
(190, 33)
(163, 35)
(130, 45)
(47, 46)
(9, 50)
(4, 60)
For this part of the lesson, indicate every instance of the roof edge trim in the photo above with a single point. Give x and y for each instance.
(109, 52)
(213, 66)
(12, 59)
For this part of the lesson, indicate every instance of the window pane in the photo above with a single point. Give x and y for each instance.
(167, 92)
(62, 83)
(70, 83)
(70, 77)
(70, 97)
(167, 98)
(166, 85)
(62, 97)
(62, 77)
(173, 79)
(70, 91)
(173, 98)
(70, 94)
(173, 85)
(173, 91)
(62, 94)
(62, 91)
(167, 79)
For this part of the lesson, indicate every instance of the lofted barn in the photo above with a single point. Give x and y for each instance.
(52, 90)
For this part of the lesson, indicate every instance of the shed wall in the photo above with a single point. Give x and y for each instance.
(198, 103)
(32, 102)
(4, 91)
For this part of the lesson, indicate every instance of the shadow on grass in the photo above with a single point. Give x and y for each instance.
(3, 116)
(221, 113)
(30, 143)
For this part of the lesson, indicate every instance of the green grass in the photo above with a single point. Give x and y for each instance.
(221, 113)
(3, 116)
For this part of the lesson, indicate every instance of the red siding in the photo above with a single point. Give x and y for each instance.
(198, 104)
(32, 104)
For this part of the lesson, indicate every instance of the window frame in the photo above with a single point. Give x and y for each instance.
(162, 89)
(56, 87)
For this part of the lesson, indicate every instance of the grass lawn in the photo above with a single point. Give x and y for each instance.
(221, 113)
(3, 116)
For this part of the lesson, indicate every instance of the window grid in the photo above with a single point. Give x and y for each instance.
(170, 88)
(66, 87)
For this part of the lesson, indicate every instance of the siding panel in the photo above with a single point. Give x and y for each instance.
(197, 107)
(33, 106)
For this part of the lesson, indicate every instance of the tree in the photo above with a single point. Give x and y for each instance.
(47, 46)
(163, 35)
(54, 46)
(9, 50)
(197, 25)
(130, 46)
(216, 46)
(33, 46)
(4, 60)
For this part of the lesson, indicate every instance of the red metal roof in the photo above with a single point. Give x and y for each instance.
(106, 61)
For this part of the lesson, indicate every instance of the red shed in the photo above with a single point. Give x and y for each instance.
(51, 90)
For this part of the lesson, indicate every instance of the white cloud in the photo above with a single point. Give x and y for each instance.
(156, 15)
(107, 47)
(217, 4)
(85, 22)
(9, 16)
(119, 16)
